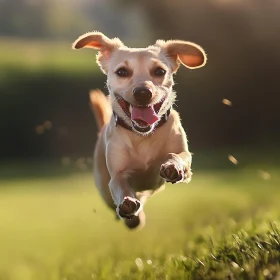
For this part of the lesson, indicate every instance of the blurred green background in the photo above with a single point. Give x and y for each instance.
(53, 225)
(42, 79)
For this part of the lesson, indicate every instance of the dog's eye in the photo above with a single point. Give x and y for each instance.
(159, 72)
(122, 72)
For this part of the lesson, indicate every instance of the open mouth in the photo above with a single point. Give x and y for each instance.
(143, 118)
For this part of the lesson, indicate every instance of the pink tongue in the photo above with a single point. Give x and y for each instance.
(146, 114)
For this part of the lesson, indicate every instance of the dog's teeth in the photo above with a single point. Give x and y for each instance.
(130, 109)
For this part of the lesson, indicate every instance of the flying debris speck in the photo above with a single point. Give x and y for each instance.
(235, 265)
(39, 129)
(227, 102)
(266, 272)
(139, 263)
(264, 175)
(149, 262)
(47, 125)
(233, 159)
(81, 164)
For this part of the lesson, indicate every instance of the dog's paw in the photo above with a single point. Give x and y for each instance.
(173, 172)
(129, 208)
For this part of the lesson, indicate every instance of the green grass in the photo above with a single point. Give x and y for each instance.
(224, 225)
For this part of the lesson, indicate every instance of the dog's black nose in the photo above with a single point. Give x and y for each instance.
(143, 95)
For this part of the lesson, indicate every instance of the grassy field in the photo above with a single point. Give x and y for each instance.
(54, 226)
(224, 225)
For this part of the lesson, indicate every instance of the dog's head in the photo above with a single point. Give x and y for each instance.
(140, 80)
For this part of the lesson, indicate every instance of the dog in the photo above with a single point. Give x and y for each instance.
(141, 143)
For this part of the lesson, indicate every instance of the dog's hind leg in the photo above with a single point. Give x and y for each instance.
(136, 221)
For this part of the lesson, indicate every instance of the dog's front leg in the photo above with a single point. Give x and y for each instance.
(177, 167)
(124, 197)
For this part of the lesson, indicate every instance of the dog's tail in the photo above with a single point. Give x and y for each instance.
(101, 107)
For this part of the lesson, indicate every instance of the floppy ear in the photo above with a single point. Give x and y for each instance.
(97, 40)
(189, 54)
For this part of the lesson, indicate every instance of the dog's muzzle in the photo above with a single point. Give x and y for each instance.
(143, 118)
(142, 95)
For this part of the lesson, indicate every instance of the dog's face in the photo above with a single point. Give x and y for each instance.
(140, 80)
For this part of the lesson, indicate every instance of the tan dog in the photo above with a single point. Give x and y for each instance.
(142, 143)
